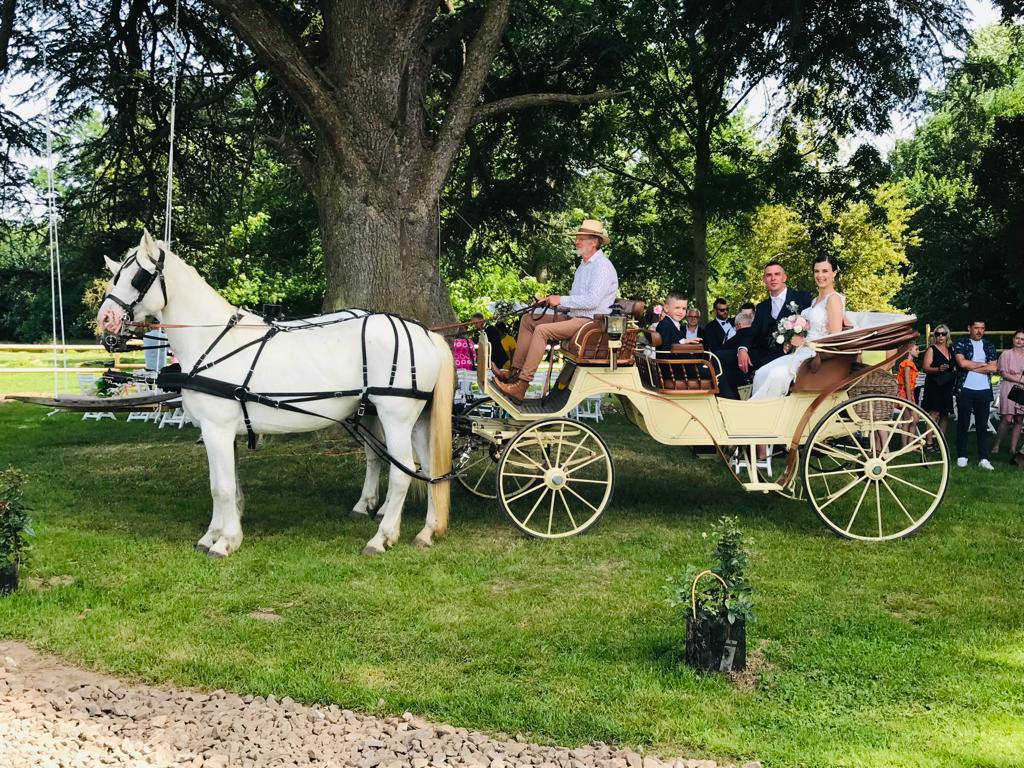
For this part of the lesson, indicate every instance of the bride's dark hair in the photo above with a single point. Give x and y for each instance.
(823, 257)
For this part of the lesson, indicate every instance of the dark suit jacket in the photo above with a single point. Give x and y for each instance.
(762, 343)
(743, 337)
(670, 334)
(714, 335)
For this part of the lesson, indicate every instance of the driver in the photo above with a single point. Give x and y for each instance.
(593, 292)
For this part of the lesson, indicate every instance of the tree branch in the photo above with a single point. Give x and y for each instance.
(283, 54)
(296, 158)
(479, 57)
(637, 179)
(492, 109)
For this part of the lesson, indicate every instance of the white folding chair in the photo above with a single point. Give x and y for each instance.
(589, 409)
(87, 386)
(173, 415)
(150, 415)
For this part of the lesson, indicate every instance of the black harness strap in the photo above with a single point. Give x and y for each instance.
(412, 352)
(394, 358)
(232, 322)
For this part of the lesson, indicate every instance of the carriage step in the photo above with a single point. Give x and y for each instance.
(763, 487)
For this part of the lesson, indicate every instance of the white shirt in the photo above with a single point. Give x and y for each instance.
(594, 288)
(974, 379)
(727, 329)
(777, 302)
(694, 333)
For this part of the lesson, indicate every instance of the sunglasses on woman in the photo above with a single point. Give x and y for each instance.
(941, 333)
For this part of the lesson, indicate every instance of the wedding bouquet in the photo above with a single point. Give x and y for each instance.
(793, 325)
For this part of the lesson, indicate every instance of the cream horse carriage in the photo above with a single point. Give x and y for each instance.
(859, 461)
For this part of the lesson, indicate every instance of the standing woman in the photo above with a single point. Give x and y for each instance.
(939, 379)
(1011, 370)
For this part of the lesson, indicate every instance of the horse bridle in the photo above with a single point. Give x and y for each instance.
(142, 282)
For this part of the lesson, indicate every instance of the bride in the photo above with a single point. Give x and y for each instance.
(825, 316)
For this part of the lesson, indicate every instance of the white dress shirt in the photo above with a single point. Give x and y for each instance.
(777, 304)
(727, 329)
(594, 288)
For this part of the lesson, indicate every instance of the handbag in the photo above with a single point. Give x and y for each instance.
(1016, 394)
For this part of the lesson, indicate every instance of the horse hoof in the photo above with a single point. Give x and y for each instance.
(422, 543)
(215, 555)
(357, 513)
(370, 549)
(200, 547)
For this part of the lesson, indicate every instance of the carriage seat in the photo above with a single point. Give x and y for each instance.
(589, 345)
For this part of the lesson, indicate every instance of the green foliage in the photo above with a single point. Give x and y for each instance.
(963, 171)
(492, 282)
(869, 237)
(713, 600)
(15, 523)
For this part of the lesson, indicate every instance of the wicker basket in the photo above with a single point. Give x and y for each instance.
(878, 382)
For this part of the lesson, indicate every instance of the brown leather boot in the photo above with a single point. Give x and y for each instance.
(515, 390)
(504, 374)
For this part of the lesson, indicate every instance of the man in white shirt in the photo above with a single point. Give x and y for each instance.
(976, 358)
(593, 292)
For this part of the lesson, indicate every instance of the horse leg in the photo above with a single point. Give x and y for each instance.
(397, 420)
(369, 499)
(225, 525)
(421, 446)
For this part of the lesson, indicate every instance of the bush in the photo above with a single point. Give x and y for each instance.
(731, 602)
(15, 524)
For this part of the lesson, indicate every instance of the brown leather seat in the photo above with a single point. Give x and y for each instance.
(589, 346)
(830, 372)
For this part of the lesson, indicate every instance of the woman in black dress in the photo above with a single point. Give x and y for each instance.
(940, 374)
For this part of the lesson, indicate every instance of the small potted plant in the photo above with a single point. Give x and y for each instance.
(718, 603)
(15, 528)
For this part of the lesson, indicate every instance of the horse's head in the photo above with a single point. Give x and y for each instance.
(138, 287)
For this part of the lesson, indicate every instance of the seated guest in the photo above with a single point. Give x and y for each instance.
(673, 331)
(693, 329)
(743, 325)
(720, 329)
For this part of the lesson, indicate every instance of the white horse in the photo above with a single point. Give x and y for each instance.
(322, 355)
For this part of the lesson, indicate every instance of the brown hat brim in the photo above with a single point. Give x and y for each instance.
(603, 237)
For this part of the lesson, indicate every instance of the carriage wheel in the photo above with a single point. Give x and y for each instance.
(555, 478)
(866, 473)
(476, 459)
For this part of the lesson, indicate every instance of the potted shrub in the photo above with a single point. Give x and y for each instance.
(15, 528)
(718, 603)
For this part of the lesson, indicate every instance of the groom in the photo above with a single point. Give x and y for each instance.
(759, 347)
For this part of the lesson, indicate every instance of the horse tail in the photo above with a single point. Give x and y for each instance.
(441, 432)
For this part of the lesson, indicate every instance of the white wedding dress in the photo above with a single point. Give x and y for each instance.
(775, 378)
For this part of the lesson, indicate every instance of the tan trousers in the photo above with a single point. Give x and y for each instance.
(535, 333)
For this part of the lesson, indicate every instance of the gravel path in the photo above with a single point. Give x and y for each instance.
(54, 715)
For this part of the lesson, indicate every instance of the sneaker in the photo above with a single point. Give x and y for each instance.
(986, 464)
(962, 461)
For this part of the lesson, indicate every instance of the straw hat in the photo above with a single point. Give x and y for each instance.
(591, 227)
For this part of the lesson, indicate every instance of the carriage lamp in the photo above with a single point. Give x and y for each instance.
(615, 323)
(615, 327)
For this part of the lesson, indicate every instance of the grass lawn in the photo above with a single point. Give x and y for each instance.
(908, 653)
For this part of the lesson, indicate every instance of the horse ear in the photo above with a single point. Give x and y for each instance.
(112, 265)
(148, 243)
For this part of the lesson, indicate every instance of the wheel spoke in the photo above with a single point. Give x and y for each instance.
(523, 474)
(853, 436)
(911, 446)
(569, 470)
(833, 452)
(575, 450)
(567, 510)
(530, 461)
(831, 472)
(561, 438)
(897, 500)
(915, 487)
(479, 480)
(891, 467)
(528, 491)
(878, 507)
(570, 479)
(534, 507)
(842, 491)
(894, 424)
(551, 513)
(570, 490)
(856, 509)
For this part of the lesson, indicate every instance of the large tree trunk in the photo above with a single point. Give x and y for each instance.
(699, 211)
(380, 250)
